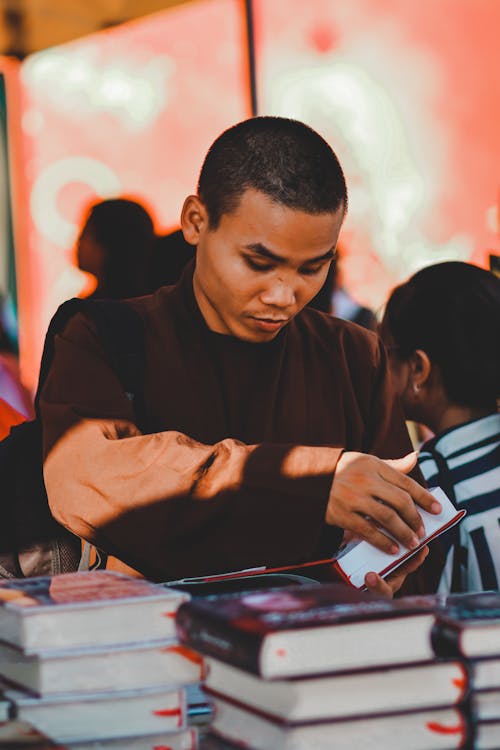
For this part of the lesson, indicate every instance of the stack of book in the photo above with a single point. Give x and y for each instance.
(468, 627)
(93, 656)
(327, 666)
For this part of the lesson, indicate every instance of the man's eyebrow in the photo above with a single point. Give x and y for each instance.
(259, 249)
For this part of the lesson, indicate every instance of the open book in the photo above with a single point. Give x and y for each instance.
(360, 557)
(349, 565)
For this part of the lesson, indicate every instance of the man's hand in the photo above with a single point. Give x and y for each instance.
(370, 495)
(393, 583)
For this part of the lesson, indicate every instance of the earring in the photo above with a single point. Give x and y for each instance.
(416, 387)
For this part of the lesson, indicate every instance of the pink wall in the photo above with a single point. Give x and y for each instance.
(128, 111)
(408, 93)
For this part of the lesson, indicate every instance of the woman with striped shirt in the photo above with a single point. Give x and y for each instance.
(442, 332)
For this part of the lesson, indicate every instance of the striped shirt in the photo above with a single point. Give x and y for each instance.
(465, 462)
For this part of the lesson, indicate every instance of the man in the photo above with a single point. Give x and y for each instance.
(260, 416)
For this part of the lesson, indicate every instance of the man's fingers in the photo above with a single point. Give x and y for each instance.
(395, 503)
(365, 529)
(389, 520)
(393, 583)
(404, 464)
(419, 495)
(368, 492)
(376, 585)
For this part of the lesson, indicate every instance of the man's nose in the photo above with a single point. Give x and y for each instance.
(279, 293)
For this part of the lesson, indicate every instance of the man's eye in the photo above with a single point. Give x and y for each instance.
(311, 271)
(256, 266)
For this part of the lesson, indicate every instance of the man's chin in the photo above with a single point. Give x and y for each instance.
(255, 336)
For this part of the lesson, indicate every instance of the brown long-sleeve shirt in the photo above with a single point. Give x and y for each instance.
(242, 442)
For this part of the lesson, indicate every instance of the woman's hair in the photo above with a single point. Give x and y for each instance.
(452, 312)
(125, 232)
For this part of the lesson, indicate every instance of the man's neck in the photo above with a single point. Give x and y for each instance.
(454, 415)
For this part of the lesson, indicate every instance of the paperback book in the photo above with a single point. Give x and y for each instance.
(101, 668)
(307, 629)
(85, 609)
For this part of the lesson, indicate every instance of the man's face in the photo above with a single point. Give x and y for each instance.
(262, 264)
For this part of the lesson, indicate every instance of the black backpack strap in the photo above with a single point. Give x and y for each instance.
(121, 333)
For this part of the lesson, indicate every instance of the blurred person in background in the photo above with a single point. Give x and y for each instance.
(334, 298)
(171, 254)
(442, 331)
(115, 246)
(9, 417)
(12, 390)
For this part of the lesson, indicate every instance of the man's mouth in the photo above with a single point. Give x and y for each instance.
(269, 324)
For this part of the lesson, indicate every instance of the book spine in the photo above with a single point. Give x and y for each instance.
(212, 636)
(445, 639)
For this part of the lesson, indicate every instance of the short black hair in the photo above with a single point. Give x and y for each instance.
(451, 311)
(282, 158)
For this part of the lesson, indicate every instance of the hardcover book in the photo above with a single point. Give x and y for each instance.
(307, 629)
(487, 735)
(468, 625)
(341, 695)
(97, 716)
(85, 609)
(15, 736)
(486, 705)
(186, 740)
(435, 729)
(485, 673)
(101, 668)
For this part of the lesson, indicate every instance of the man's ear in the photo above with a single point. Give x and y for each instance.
(420, 369)
(194, 219)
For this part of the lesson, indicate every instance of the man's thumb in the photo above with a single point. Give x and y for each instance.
(404, 464)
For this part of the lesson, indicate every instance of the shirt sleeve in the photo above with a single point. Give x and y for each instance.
(164, 503)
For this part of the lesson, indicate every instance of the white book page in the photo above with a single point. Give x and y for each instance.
(359, 558)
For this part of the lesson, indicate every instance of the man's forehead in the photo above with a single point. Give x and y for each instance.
(260, 198)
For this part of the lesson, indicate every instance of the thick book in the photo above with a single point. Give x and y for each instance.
(484, 673)
(341, 695)
(4, 710)
(16, 735)
(307, 629)
(468, 625)
(98, 716)
(85, 609)
(101, 668)
(486, 705)
(433, 729)
(360, 557)
(186, 740)
(487, 735)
